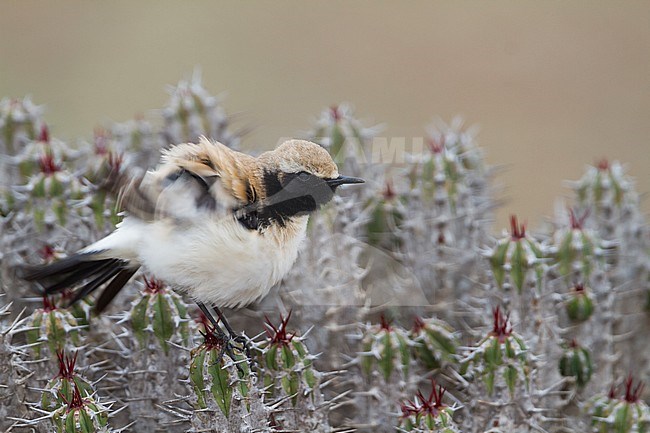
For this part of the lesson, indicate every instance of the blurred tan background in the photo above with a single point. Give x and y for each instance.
(553, 85)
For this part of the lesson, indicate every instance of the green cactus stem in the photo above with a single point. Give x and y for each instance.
(80, 415)
(20, 121)
(580, 305)
(577, 249)
(576, 362)
(287, 363)
(439, 174)
(60, 390)
(620, 414)
(604, 188)
(387, 347)
(52, 326)
(159, 313)
(214, 375)
(501, 353)
(386, 215)
(428, 414)
(517, 257)
(434, 342)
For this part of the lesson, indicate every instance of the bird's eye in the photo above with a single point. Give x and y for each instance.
(304, 176)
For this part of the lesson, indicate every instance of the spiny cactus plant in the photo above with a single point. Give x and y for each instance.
(440, 175)
(446, 206)
(286, 353)
(396, 247)
(386, 350)
(428, 414)
(227, 395)
(607, 194)
(20, 122)
(192, 112)
(155, 342)
(14, 375)
(29, 160)
(81, 415)
(620, 414)
(386, 214)
(383, 375)
(327, 280)
(451, 176)
(605, 190)
(60, 390)
(501, 353)
(161, 314)
(434, 342)
(68, 404)
(580, 304)
(576, 362)
(49, 191)
(344, 136)
(460, 140)
(51, 328)
(517, 259)
(293, 385)
(578, 250)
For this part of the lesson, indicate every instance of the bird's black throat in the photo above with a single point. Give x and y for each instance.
(286, 195)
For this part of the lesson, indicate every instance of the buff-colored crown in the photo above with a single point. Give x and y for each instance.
(294, 156)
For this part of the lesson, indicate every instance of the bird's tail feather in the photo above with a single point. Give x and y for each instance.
(85, 273)
(113, 288)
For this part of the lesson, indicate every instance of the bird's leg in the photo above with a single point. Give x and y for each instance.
(208, 315)
(226, 339)
(239, 338)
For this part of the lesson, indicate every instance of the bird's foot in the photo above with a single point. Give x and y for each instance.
(245, 343)
(230, 349)
(239, 343)
(230, 341)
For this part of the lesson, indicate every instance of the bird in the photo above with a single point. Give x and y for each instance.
(220, 225)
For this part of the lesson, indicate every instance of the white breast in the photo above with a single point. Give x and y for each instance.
(219, 261)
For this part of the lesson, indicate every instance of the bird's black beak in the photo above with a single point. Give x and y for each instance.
(342, 180)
